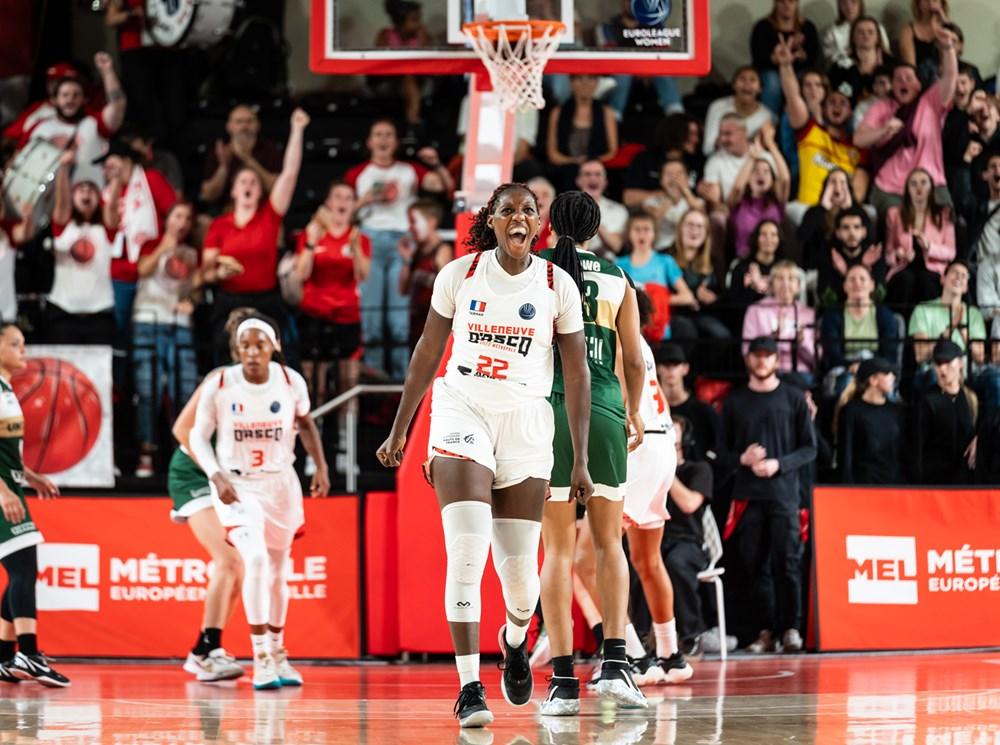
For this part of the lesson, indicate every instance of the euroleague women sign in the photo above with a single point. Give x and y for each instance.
(65, 393)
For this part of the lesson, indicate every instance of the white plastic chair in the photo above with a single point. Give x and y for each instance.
(713, 574)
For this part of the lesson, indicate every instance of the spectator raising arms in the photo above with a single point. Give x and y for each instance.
(760, 191)
(869, 427)
(917, 38)
(581, 129)
(920, 242)
(905, 131)
(821, 146)
(79, 308)
(161, 327)
(745, 101)
(331, 260)
(819, 223)
(424, 255)
(656, 273)
(241, 247)
(785, 24)
(12, 233)
(781, 316)
(673, 200)
(74, 126)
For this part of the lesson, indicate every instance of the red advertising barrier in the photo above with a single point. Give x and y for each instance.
(118, 579)
(907, 568)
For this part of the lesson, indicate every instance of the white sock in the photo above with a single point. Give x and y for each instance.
(633, 644)
(515, 634)
(277, 639)
(468, 668)
(666, 638)
(259, 643)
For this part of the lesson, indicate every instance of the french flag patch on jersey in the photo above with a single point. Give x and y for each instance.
(237, 408)
(477, 307)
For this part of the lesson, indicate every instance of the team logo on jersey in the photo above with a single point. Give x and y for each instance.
(477, 307)
(275, 407)
(506, 338)
(470, 439)
(236, 408)
(526, 311)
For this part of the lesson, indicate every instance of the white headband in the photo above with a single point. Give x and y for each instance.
(261, 326)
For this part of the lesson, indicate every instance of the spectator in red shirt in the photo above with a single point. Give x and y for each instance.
(74, 125)
(241, 247)
(136, 203)
(333, 257)
(17, 130)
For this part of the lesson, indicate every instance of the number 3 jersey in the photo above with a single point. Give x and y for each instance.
(503, 327)
(604, 286)
(254, 423)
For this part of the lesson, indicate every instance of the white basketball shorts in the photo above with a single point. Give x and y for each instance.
(271, 502)
(651, 468)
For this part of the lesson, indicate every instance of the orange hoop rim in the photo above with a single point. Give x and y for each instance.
(491, 29)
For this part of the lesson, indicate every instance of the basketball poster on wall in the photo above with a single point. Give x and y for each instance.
(65, 393)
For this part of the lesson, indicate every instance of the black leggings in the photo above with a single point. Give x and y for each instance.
(22, 572)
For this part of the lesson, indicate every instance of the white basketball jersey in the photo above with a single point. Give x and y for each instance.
(653, 407)
(502, 351)
(255, 424)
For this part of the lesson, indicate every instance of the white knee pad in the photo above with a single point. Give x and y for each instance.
(467, 541)
(279, 564)
(515, 558)
(253, 551)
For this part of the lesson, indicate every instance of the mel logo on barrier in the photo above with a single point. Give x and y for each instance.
(69, 576)
(885, 570)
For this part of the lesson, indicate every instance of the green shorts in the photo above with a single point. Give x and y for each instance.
(14, 537)
(188, 487)
(607, 453)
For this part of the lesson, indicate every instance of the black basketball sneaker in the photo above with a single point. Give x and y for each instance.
(470, 708)
(36, 667)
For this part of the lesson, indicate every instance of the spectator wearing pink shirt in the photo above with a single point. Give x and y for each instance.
(904, 131)
(919, 244)
(781, 316)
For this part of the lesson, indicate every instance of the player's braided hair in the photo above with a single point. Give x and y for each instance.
(481, 236)
(575, 218)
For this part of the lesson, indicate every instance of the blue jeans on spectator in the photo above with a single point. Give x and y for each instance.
(667, 94)
(164, 359)
(385, 313)
(770, 91)
(124, 293)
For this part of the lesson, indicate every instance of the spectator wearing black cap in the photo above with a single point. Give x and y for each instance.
(137, 204)
(672, 368)
(822, 146)
(767, 439)
(869, 427)
(944, 426)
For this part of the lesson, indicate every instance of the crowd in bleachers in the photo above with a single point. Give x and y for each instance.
(841, 196)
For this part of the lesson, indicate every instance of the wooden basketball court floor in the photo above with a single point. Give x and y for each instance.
(919, 699)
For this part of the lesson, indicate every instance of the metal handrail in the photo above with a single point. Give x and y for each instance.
(351, 422)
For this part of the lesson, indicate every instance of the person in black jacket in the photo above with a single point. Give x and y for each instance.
(787, 24)
(870, 428)
(579, 130)
(944, 426)
(767, 438)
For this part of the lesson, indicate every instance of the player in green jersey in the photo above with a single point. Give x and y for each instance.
(611, 323)
(19, 537)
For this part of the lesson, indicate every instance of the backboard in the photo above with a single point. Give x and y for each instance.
(639, 37)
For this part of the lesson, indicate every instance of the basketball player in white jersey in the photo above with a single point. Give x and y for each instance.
(255, 409)
(490, 447)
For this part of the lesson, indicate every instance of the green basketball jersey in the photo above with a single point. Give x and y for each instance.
(11, 436)
(604, 285)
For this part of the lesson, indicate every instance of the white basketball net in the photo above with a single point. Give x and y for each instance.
(516, 71)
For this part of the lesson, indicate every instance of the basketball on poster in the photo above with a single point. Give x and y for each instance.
(65, 392)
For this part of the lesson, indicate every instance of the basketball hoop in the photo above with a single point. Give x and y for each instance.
(515, 54)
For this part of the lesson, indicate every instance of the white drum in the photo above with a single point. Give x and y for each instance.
(189, 23)
(30, 179)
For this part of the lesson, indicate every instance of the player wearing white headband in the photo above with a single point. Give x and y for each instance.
(255, 409)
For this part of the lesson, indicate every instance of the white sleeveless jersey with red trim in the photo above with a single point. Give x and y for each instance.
(502, 354)
(255, 424)
(653, 407)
